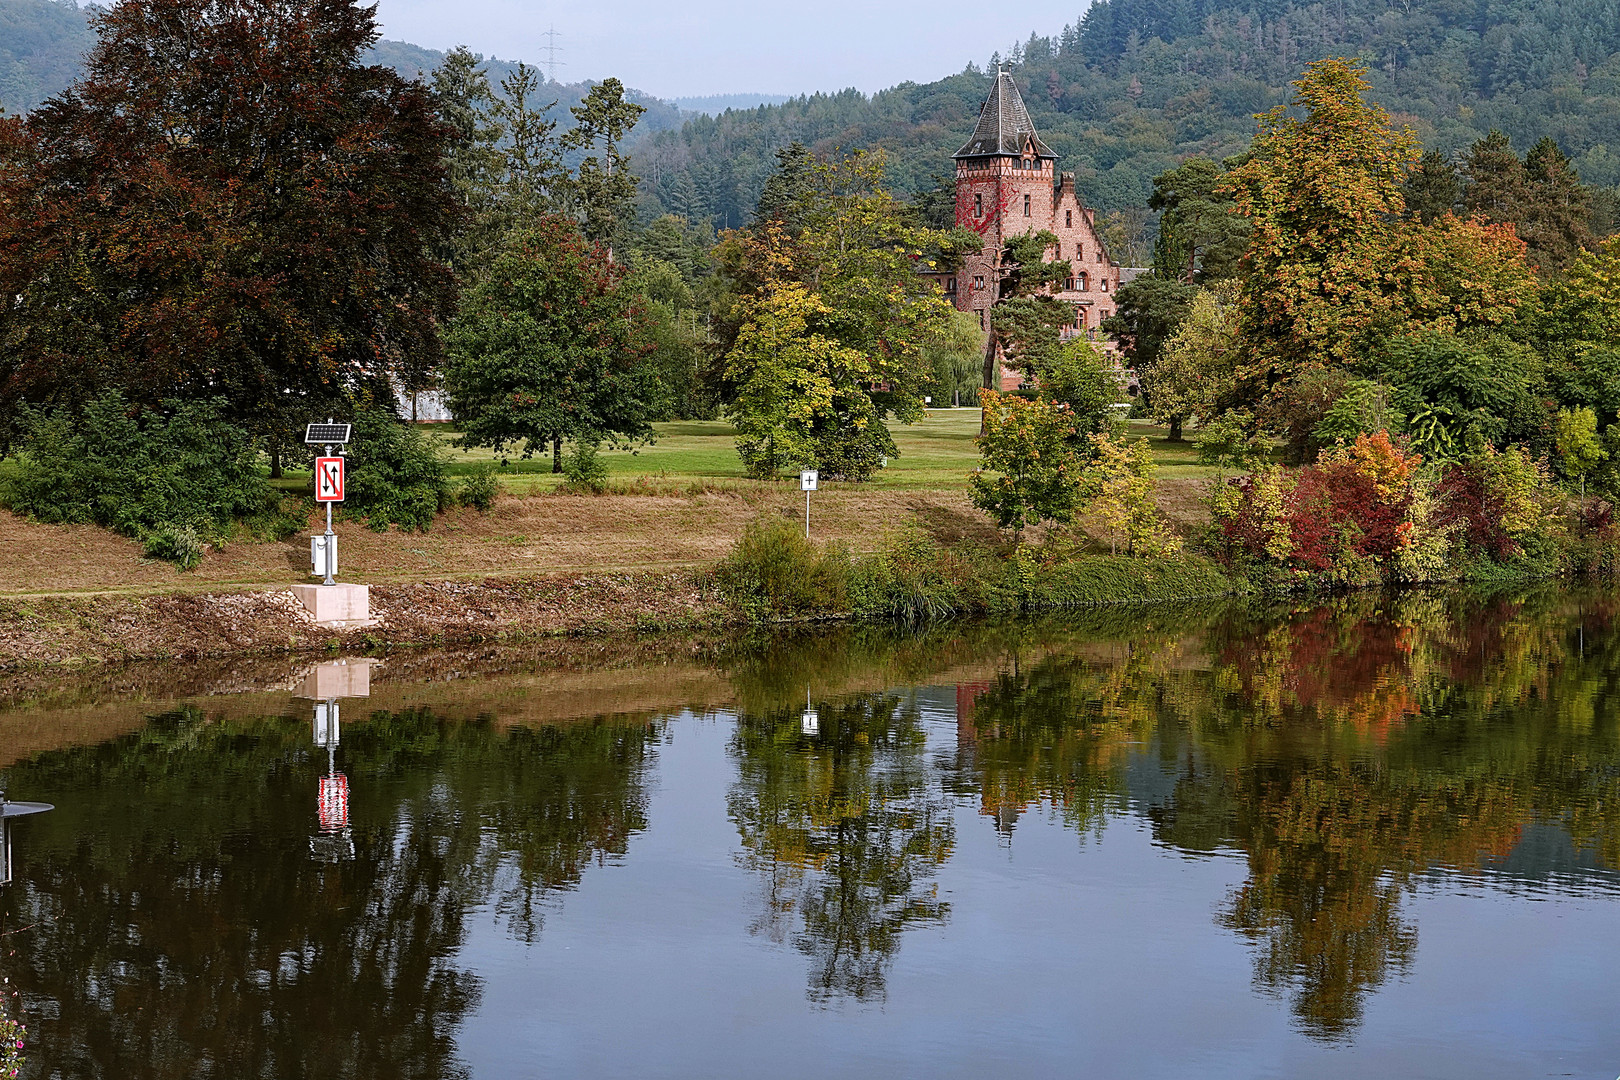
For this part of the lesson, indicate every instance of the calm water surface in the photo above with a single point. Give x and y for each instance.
(1378, 837)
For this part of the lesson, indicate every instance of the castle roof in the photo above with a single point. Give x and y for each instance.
(1004, 125)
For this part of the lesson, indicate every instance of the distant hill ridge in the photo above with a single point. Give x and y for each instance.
(42, 43)
(1137, 85)
(1131, 89)
(715, 104)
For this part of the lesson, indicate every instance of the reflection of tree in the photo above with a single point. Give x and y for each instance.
(181, 929)
(1056, 732)
(566, 796)
(847, 828)
(1346, 748)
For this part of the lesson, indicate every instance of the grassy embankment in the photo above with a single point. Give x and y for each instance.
(544, 562)
(680, 502)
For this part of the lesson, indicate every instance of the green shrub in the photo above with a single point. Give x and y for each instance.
(175, 478)
(584, 469)
(180, 544)
(912, 579)
(1229, 442)
(396, 473)
(847, 452)
(1118, 579)
(774, 572)
(480, 488)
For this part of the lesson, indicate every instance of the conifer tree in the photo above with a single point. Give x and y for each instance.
(1496, 178)
(1541, 196)
(1557, 215)
(1433, 188)
(603, 186)
(473, 159)
(1201, 239)
(533, 181)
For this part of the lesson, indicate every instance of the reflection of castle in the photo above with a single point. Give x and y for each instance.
(1007, 186)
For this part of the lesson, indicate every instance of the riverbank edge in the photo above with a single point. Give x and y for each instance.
(66, 632)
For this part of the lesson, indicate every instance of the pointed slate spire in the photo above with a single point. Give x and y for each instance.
(1004, 125)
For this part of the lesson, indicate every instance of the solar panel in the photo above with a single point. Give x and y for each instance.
(327, 434)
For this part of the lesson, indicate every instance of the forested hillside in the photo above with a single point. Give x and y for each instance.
(1137, 84)
(43, 41)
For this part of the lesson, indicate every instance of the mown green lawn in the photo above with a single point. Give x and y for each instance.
(936, 453)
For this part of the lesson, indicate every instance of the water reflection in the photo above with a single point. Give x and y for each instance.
(842, 822)
(1343, 755)
(177, 919)
(326, 685)
(1345, 749)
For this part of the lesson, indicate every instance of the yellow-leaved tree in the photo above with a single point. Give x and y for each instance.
(1323, 192)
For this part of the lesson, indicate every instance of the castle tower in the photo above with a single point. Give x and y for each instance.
(1007, 186)
(1004, 174)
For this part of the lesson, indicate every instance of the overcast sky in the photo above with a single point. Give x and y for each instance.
(678, 48)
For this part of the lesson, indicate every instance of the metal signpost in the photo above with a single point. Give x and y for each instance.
(807, 482)
(328, 490)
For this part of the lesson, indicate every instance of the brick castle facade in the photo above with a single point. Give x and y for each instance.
(1007, 186)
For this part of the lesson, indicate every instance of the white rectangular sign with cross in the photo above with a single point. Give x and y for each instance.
(807, 480)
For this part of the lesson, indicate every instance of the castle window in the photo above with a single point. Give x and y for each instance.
(1068, 219)
(1079, 318)
(981, 319)
(1103, 284)
(1026, 206)
(1083, 283)
(1099, 256)
(950, 286)
(1079, 251)
(978, 205)
(978, 281)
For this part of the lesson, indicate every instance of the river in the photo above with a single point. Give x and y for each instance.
(1378, 836)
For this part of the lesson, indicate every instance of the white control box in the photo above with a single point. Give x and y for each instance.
(317, 555)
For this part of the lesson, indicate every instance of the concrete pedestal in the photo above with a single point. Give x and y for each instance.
(336, 605)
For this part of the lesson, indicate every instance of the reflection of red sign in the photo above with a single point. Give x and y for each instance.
(333, 805)
(328, 479)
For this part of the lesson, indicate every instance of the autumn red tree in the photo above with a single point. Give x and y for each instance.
(227, 204)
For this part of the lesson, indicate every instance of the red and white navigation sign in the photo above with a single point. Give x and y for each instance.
(328, 479)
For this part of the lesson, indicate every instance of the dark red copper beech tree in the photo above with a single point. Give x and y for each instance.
(227, 204)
